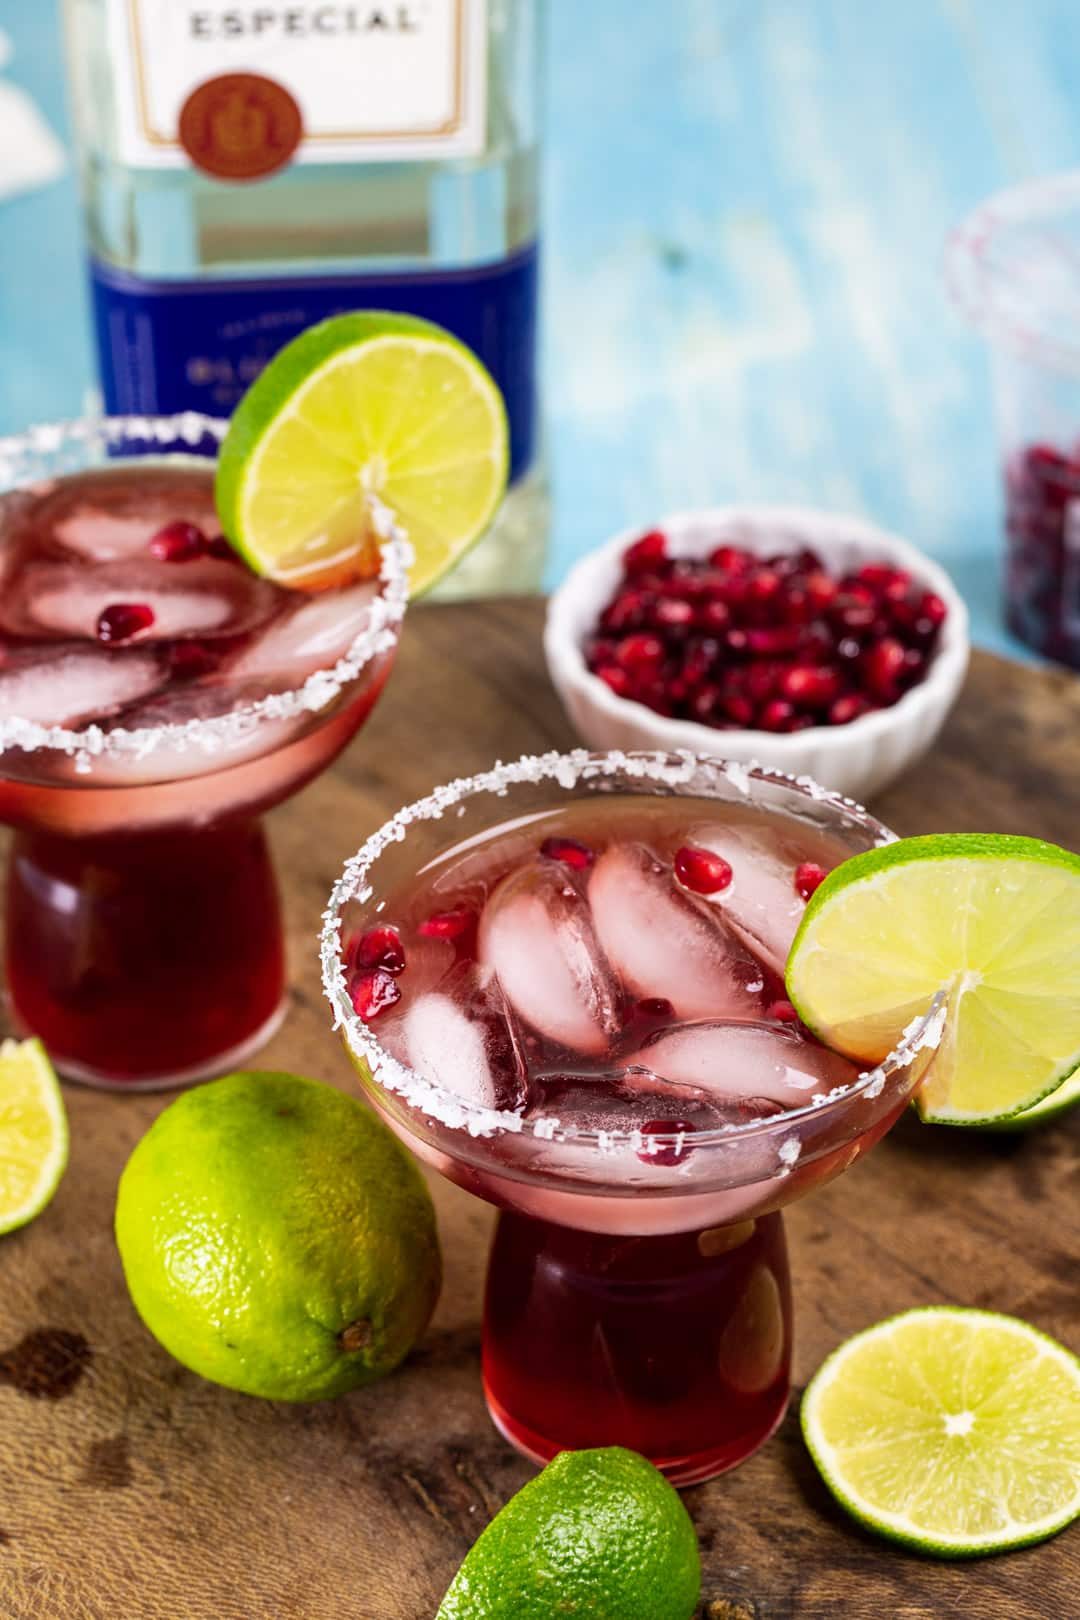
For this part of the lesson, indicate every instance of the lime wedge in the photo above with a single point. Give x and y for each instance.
(994, 918)
(33, 1132)
(955, 1431)
(1059, 1102)
(362, 404)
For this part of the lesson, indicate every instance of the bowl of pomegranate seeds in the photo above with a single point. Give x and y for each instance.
(814, 643)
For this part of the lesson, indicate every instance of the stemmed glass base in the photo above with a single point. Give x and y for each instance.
(677, 1346)
(145, 960)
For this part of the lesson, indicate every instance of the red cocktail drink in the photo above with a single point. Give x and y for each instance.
(563, 984)
(155, 698)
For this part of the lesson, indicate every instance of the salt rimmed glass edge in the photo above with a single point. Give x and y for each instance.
(220, 732)
(675, 768)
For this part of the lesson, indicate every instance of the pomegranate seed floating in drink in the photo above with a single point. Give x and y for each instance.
(778, 643)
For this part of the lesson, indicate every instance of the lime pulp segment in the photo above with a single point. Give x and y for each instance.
(33, 1132)
(957, 1431)
(996, 919)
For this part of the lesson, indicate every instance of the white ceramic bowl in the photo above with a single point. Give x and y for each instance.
(857, 759)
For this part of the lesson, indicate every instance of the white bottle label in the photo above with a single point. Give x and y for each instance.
(370, 82)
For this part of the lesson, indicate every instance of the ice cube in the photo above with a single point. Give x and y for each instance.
(73, 687)
(627, 1102)
(312, 635)
(663, 944)
(735, 1062)
(462, 1039)
(537, 937)
(122, 516)
(207, 597)
(760, 903)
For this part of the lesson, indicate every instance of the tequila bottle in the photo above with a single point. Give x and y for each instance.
(248, 169)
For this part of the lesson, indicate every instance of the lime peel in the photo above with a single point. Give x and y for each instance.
(900, 1431)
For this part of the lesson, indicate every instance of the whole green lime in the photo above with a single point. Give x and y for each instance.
(599, 1535)
(276, 1238)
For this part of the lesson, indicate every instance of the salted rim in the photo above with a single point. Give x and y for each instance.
(219, 732)
(673, 769)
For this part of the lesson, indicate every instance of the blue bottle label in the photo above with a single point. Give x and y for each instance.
(168, 346)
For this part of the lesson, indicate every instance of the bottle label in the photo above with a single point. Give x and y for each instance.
(167, 346)
(363, 82)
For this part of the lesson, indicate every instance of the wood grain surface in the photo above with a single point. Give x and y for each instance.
(132, 1490)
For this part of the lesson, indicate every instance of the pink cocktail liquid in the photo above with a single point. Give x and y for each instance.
(611, 974)
(151, 706)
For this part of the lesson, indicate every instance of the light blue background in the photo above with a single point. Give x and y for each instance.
(746, 203)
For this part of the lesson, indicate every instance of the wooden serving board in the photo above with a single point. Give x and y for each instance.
(132, 1490)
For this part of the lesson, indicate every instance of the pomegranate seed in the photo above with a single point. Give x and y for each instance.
(220, 548)
(704, 703)
(714, 615)
(655, 1007)
(875, 575)
(933, 608)
(701, 870)
(626, 612)
(447, 924)
(774, 641)
(883, 666)
(569, 851)
(822, 590)
(809, 686)
(782, 1012)
(379, 948)
(808, 877)
(640, 652)
(616, 678)
(764, 585)
(848, 708)
(645, 553)
(732, 559)
(673, 1154)
(671, 613)
(776, 715)
(739, 710)
(178, 542)
(371, 993)
(736, 641)
(122, 620)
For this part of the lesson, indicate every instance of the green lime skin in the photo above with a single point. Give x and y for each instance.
(599, 1535)
(291, 367)
(276, 1237)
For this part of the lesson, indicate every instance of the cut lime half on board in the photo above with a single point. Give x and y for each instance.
(33, 1132)
(955, 1431)
(996, 920)
(361, 405)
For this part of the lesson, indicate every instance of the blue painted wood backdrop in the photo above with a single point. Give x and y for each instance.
(746, 202)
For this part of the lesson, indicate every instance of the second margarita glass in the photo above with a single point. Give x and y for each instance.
(155, 697)
(604, 1053)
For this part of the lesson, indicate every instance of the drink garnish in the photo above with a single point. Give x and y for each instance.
(362, 407)
(994, 918)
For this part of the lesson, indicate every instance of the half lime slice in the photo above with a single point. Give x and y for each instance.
(368, 404)
(996, 920)
(33, 1132)
(955, 1431)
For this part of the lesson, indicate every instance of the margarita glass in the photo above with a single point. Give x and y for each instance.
(155, 698)
(638, 1289)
